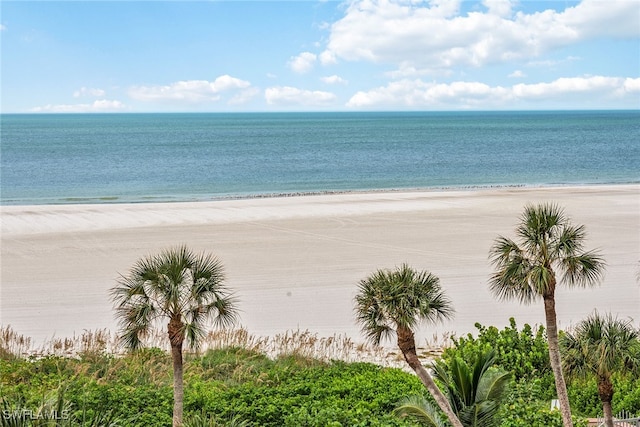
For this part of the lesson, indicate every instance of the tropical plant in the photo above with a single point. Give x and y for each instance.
(601, 346)
(526, 271)
(179, 286)
(475, 392)
(396, 301)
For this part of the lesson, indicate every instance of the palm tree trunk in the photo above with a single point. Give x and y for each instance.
(554, 357)
(605, 392)
(407, 344)
(176, 336)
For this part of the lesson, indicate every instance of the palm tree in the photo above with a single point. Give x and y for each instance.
(391, 302)
(179, 286)
(526, 271)
(601, 346)
(474, 392)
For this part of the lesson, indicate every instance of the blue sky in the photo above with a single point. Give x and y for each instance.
(360, 55)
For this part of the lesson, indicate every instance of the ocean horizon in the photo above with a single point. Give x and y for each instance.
(168, 157)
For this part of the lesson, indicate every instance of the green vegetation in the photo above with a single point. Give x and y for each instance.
(241, 386)
(223, 387)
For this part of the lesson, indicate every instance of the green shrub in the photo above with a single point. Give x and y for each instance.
(523, 408)
(524, 353)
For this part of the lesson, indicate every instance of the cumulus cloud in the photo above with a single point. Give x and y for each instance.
(98, 106)
(328, 58)
(189, 91)
(333, 80)
(303, 62)
(517, 74)
(430, 95)
(436, 35)
(291, 96)
(83, 91)
(500, 8)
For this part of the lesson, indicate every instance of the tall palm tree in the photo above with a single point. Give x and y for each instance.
(526, 271)
(397, 301)
(474, 392)
(178, 286)
(601, 346)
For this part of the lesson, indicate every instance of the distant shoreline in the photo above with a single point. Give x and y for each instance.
(107, 200)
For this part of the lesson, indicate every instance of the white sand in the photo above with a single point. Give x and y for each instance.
(295, 261)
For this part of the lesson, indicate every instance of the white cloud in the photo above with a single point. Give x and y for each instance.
(189, 91)
(333, 80)
(328, 58)
(244, 96)
(574, 85)
(98, 106)
(434, 35)
(291, 96)
(631, 85)
(593, 18)
(517, 74)
(303, 62)
(83, 91)
(501, 8)
(418, 94)
(3, 27)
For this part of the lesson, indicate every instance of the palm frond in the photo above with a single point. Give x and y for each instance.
(493, 385)
(586, 269)
(174, 284)
(419, 408)
(524, 270)
(403, 297)
(601, 345)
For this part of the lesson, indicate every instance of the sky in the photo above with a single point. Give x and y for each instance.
(357, 55)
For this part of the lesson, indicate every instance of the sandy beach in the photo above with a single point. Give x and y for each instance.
(294, 262)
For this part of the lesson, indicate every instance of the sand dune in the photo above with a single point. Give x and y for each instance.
(294, 262)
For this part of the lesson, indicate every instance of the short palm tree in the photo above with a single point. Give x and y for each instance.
(602, 346)
(526, 271)
(397, 301)
(474, 392)
(178, 286)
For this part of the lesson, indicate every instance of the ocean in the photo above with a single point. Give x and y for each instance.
(117, 158)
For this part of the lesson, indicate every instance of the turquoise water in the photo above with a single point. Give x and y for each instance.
(109, 158)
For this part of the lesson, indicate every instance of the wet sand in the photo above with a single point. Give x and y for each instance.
(295, 262)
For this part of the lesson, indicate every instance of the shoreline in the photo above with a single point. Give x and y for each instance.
(116, 200)
(294, 262)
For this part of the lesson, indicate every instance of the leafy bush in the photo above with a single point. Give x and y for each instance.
(523, 408)
(583, 394)
(524, 353)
